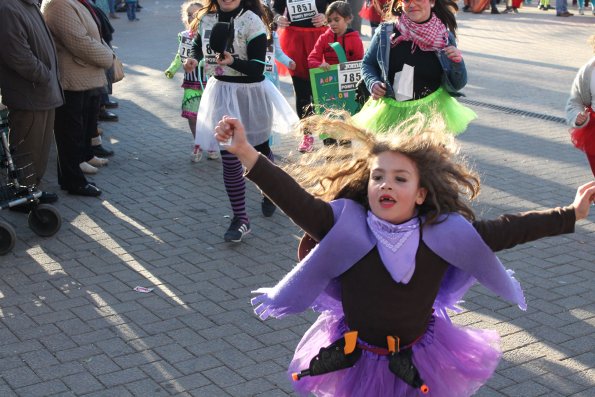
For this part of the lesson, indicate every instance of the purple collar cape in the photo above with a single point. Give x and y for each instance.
(313, 282)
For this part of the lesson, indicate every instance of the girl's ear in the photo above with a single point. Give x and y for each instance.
(348, 20)
(421, 195)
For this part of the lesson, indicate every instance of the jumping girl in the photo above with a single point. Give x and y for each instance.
(382, 261)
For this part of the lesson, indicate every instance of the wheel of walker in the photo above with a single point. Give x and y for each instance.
(7, 238)
(45, 220)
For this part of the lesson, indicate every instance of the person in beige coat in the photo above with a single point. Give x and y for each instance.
(83, 58)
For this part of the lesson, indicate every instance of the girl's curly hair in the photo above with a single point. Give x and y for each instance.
(343, 172)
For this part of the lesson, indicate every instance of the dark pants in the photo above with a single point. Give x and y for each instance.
(131, 10)
(76, 123)
(30, 136)
(303, 97)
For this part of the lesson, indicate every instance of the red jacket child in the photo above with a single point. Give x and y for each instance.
(323, 52)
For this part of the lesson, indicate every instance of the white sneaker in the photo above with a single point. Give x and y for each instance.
(196, 154)
(88, 168)
(212, 155)
(98, 161)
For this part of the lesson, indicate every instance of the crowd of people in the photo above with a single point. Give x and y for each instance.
(386, 220)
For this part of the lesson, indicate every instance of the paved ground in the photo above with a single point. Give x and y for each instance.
(71, 324)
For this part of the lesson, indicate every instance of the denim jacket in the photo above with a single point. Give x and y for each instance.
(375, 63)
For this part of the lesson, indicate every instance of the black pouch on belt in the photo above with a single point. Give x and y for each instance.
(341, 354)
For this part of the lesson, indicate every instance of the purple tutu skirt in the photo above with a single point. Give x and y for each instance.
(453, 361)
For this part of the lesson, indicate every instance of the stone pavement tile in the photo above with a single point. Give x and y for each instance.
(39, 359)
(78, 353)
(184, 383)
(250, 388)
(19, 347)
(59, 371)
(562, 385)
(527, 388)
(185, 337)
(100, 364)
(41, 389)
(82, 383)
(197, 364)
(6, 391)
(160, 371)
(173, 353)
(146, 387)
(209, 390)
(223, 376)
(234, 358)
(34, 333)
(20, 377)
(118, 391)
(261, 370)
(121, 377)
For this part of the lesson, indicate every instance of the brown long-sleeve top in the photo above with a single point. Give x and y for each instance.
(374, 304)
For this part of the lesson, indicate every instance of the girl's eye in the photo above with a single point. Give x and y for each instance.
(376, 177)
(400, 179)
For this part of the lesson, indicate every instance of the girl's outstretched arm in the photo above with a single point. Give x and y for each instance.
(509, 230)
(585, 196)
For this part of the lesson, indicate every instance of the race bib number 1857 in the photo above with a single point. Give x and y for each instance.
(301, 9)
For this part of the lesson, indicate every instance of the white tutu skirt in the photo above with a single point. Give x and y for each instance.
(259, 106)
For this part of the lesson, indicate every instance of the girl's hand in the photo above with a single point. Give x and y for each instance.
(585, 195)
(324, 66)
(190, 64)
(378, 90)
(230, 133)
(581, 118)
(282, 21)
(453, 53)
(224, 59)
(291, 65)
(319, 20)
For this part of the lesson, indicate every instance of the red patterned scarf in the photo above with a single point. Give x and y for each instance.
(428, 36)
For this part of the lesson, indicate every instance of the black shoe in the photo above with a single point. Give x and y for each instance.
(48, 198)
(110, 104)
(106, 115)
(237, 230)
(329, 142)
(515, 10)
(495, 11)
(88, 190)
(466, 9)
(267, 206)
(100, 151)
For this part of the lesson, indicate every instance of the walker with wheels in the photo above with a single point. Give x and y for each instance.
(44, 219)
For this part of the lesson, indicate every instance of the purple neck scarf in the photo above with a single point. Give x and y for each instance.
(397, 245)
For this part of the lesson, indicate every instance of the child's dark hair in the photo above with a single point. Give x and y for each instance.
(444, 10)
(331, 173)
(340, 7)
(253, 5)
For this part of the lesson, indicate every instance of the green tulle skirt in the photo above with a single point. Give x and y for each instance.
(382, 114)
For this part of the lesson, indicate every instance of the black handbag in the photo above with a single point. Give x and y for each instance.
(361, 92)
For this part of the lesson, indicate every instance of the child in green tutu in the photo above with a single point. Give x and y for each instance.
(413, 66)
